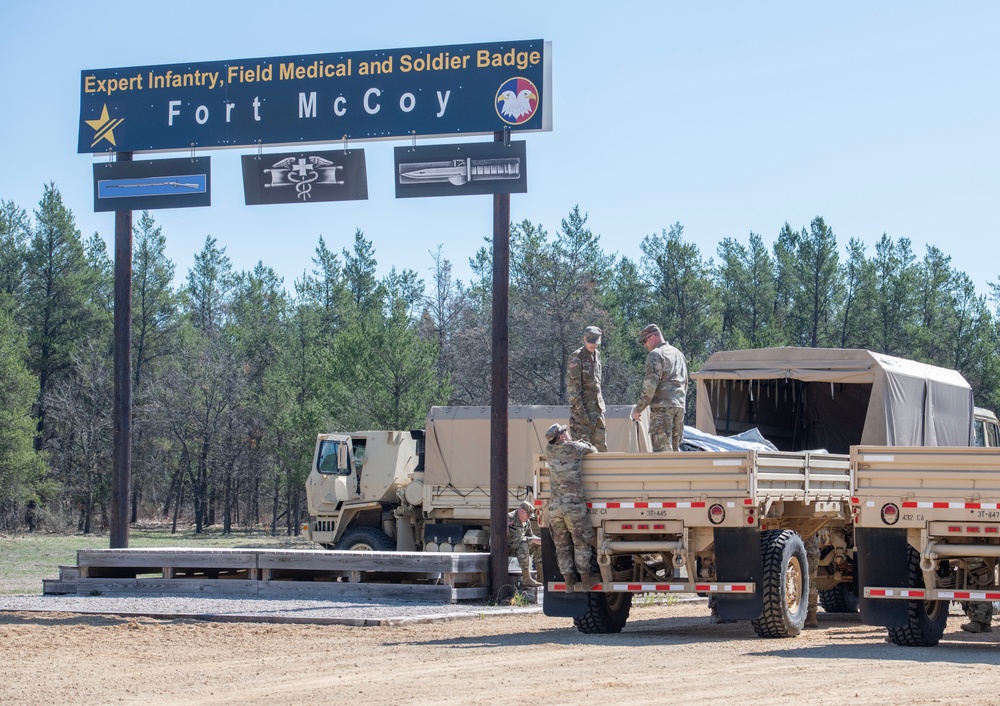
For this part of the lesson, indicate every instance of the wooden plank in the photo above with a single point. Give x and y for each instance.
(470, 594)
(410, 562)
(171, 587)
(54, 587)
(155, 560)
(324, 589)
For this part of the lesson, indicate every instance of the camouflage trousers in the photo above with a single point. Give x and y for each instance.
(588, 425)
(812, 559)
(666, 428)
(981, 612)
(525, 550)
(572, 534)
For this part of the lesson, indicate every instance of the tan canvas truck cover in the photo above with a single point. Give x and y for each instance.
(832, 398)
(457, 450)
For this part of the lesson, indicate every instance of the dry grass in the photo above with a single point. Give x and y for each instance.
(26, 559)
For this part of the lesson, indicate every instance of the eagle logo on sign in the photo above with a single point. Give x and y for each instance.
(517, 101)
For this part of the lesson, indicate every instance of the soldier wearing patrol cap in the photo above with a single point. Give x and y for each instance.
(567, 516)
(523, 543)
(664, 390)
(583, 381)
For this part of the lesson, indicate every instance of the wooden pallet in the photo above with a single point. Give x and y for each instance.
(276, 573)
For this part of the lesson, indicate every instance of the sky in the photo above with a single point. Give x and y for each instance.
(726, 117)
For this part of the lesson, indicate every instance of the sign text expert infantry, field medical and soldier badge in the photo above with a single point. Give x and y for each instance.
(302, 177)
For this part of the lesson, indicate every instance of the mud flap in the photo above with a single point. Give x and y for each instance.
(554, 604)
(882, 560)
(738, 560)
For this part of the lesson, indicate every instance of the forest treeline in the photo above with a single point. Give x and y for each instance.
(234, 373)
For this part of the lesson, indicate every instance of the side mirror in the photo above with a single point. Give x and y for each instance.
(342, 462)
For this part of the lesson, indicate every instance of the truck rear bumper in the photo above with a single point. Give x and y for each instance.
(671, 587)
(930, 594)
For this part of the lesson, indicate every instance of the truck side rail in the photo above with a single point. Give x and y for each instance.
(706, 475)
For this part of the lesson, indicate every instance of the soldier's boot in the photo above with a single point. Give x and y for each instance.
(527, 580)
(570, 580)
(977, 626)
(811, 621)
(586, 581)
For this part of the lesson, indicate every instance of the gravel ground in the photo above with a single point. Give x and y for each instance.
(223, 608)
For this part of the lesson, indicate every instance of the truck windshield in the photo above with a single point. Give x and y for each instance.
(329, 461)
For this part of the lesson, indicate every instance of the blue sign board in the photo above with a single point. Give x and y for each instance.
(396, 93)
(152, 183)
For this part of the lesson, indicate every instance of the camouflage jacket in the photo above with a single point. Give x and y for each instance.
(583, 381)
(516, 530)
(665, 383)
(565, 475)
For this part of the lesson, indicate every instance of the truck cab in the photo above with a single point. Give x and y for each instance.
(358, 475)
(987, 428)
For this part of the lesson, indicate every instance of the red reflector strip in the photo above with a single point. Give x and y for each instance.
(659, 527)
(972, 530)
(954, 529)
(748, 501)
(644, 505)
(855, 501)
(991, 530)
(644, 527)
(625, 527)
(682, 587)
(951, 506)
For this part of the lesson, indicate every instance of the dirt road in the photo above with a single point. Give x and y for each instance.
(667, 653)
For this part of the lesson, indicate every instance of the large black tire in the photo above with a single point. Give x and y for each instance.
(606, 613)
(785, 585)
(927, 619)
(839, 599)
(366, 539)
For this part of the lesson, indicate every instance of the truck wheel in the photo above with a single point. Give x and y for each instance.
(926, 620)
(785, 585)
(839, 599)
(366, 539)
(606, 613)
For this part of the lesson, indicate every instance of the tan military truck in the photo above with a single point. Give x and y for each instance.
(927, 532)
(733, 523)
(428, 489)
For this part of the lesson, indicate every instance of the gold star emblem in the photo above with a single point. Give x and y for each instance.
(104, 127)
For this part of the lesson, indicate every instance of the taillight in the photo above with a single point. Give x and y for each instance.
(716, 514)
(890, 514)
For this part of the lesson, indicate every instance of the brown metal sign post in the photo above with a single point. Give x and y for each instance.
(499, 575)
(122, 442)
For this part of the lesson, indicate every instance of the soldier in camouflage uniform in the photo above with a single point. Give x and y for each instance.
(569, 524)
(664, 391)
(583, 380)
(524, 544)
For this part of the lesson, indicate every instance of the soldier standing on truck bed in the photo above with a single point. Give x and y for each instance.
(524, 544)
(583, 380)
(569, 524)
(664, 389)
